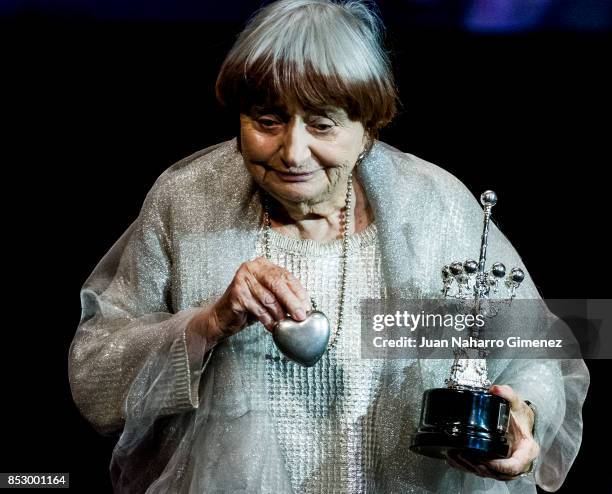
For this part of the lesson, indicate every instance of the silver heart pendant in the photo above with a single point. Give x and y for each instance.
(304, 341)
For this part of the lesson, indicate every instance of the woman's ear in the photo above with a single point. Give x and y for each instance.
(365, 140)
(368, 142)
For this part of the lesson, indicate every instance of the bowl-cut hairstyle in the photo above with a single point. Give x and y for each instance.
(314, 53)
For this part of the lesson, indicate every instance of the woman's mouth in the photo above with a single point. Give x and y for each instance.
(295, 177)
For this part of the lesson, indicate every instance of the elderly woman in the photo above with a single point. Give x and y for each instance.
(174, 346)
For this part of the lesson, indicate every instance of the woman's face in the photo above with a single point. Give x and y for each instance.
(299, 156)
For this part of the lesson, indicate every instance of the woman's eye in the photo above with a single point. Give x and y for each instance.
(267, 122)
(322, 127)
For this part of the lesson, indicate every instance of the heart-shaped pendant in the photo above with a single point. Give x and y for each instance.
(304, 341)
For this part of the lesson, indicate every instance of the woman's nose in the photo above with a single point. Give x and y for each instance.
(295, 146)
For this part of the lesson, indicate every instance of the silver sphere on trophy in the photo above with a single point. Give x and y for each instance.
(464, 417)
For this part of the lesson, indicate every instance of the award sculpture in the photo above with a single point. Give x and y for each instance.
(464, 417)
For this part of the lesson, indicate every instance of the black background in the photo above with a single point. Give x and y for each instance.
(97, 110)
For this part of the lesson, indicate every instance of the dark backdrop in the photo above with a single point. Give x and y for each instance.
(97, 110)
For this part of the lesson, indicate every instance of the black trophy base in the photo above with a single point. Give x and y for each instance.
(470, 422)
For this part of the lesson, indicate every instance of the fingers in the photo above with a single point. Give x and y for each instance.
(525, 452)
(285, 288)
(525, 448)
(296, 287)
(263, 291)
(265, 298)
(459, 466)
(520, 426)
(521, 415)
(455, 460)
(479, 469)
(258, 310)
(247, 297)
(508, 469)
(506, 392)
(521, 423)
(505, 469)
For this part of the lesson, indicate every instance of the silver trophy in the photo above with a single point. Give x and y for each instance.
(464, 417)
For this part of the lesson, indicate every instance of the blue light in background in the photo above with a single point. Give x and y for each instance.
(472, 15)
(529, 15)
(505, 15)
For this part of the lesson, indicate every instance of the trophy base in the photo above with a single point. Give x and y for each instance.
(470, 422)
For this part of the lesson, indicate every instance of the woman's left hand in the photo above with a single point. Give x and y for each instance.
(524, 447)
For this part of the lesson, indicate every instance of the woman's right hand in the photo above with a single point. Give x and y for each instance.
(260, 290)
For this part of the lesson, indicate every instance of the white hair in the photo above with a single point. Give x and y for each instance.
(316, 50)
(341, 38)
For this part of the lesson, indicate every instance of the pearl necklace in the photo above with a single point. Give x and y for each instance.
(343, 258)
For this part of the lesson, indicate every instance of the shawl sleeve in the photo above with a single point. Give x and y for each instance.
(557, 387)
(131, 354)
(442, 208)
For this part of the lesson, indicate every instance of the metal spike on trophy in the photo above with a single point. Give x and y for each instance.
(464, 417)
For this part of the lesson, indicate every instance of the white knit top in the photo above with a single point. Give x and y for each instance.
(319, 412)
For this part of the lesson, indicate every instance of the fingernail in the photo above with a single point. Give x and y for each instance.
(300, 314)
